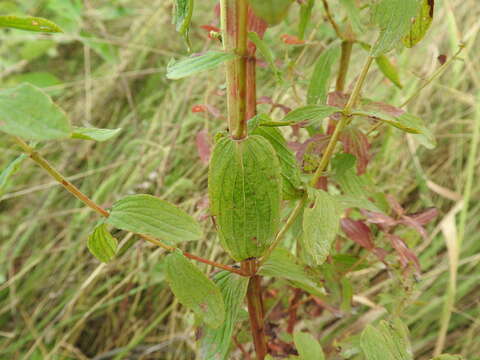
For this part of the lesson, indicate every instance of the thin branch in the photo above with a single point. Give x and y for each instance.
(330, 19)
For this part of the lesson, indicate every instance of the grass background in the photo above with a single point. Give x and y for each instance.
(108, 70)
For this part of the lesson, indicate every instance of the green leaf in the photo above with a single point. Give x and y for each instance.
(29, 23)
(347, 294)
(305, 16)
(216, 342)
(29, 113)
(195, 64)
(387, 341)
(102, 244)
(405, 122)
(245, 193)
(421, 24)
(265, 50)
(353, 13)
(291, 183)
(320, 225)
(308, 348)
(320, 80)
(389, 70)
(94, 134)
(272, 11)
(9, 171)
(394, 18)
(194, 290)
(310, 113)
(147, 214)
(448, 357)
(183, 17)
(282, 264)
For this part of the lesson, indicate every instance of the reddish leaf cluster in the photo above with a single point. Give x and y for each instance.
(355, 142)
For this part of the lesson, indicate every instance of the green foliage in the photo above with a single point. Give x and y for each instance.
(305, 16)
(148, 215)
(308, 348)
(265, 50)
(195, 64)
(421, 24)
(9, 171)
(387, 341)
(102, 244)
(320, 225)
(29, 23)
(216, 343)
(320, 80)
(394, 20)
(448, 357)
(353, 13)
(389, 70)
(94, 134)
(29, 113)
(194, 290)
(291, 183)
(310, 113)
(272, 11)
(182, 18)
(244, 185)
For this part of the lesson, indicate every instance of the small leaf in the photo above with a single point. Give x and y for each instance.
(357, 231)
(146, 214)
(244, 185)
(265, 50)
(94, 134)
(102, 244)
(389, 70)
(182, 18)
(305, 15)
(194, 290)
(320, 80)
(308, 348)
(290, 172)
(310, 113)
(29, 23)
(29, 113)
(282, 264)
(9, 171)
(387, 341)
(355, 142)
(394, 18)
(405, 122)
(421, 24)
(321, 225)
(216, 342)
(272, 11)
(195, 64)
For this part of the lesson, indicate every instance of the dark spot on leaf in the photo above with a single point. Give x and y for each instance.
(442, 59)
(431, 3)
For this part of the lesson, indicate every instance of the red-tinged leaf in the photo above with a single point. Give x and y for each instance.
(355, 142)
(308, 153)
(395, 205)
(337, 99)
(256, 24)
(210, 28)
(292, 40)
(385, 222)
(203, 146)
(424, 217)
(199, 109)
(405, 220)
(384, 108)
(358, 232)
(405, 255)
(380, 253)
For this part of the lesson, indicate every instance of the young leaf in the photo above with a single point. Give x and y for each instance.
(194, 290)
(305, 15)
(272, 11)
(308, 348)
(420, 24)
(9, 171)
(182, 18)
(389, 70)
(394, 18)
(405, 122)
(216, 342)
(146, 214)
(102, 244)
(387, 341)
(320, 80)
(265, 50)
(310, 113)
(245, 193)
(290, 172)
(320, 225)
(27, 112)
(195, 64)
(94, 134)
(29, 23)
(282, 264)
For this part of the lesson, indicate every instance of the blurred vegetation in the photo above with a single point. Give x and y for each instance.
(107, 70)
